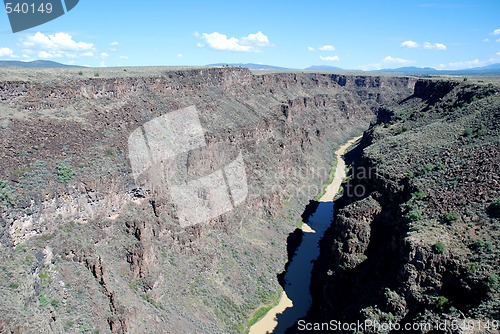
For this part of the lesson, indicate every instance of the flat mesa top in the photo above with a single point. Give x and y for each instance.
(45, 75)
(80, 73)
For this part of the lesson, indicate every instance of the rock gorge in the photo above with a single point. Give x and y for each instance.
(85, 249)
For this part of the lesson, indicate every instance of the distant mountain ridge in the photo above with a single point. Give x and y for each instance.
(323, 68)
(36, 64)
(493, 69)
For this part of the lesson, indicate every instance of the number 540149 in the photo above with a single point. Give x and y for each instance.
(26, 8)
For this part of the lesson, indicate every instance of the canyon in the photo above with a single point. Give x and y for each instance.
(86, 248)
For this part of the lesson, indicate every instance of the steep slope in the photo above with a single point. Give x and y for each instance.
(416, 237)
(84, 249)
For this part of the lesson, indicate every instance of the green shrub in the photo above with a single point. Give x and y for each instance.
(68, 325)
(438, 247)
(450, 217)
(467, 132)
(492, 282)
(418, 195)
(65, 172)
(96, 74)
(426, 169)
(473, 267)
(481, 130)
(482, 246)
(80, 73)
(6, 197)
(43, 300)
(299, 224)
(85, 328)
(413, 215)
(45, 277)
(441, 302)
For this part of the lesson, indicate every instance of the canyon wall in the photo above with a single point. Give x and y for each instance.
(416, 232)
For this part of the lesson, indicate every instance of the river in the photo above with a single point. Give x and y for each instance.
(298, 275)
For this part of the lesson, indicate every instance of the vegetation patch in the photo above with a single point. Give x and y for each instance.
(259, 314)
(439, 247)
(65, 172)
(441, 303)
(299, 224)
(492, 282)
(6, 196)
(413, 215)
(450, 217)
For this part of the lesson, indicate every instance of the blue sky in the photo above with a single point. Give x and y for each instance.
(349, 34)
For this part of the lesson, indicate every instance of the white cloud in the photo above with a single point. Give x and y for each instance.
(58, 45)
(495, 58)
(465, 64)
(486, 40)
(6, 53)
(258, 39)
(219, 41)
(370, 67)
(124, 57)
(49, 55)
(385, 63)
(393, 60)
(180, 55)
(58, 42)
(410, 44)
(322, 48)
(113, 46)
(434, 46)
(104, 55)
(496, 32)
(330, 58)
(327, 48)
(250, 43)
(102, 64)
(498, 40)
(87, 54)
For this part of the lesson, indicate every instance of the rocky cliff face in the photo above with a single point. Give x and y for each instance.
(85, 249)
(415, 238)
